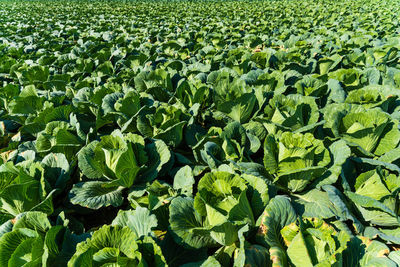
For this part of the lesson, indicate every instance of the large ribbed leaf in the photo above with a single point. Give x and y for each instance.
(95, 195)
(278, 213)
(187, 225)
(20, 241)
(140, 221)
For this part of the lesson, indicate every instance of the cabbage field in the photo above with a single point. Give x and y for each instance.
(200, 133)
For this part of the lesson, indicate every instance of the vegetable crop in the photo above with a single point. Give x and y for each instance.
(200, 133)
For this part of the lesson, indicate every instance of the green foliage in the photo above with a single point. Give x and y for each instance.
(199, 133)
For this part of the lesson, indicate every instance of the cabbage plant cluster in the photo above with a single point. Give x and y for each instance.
(200, 133)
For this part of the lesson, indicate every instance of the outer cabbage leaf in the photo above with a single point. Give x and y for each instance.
(187, 225)
(95, 195)
(278, 213)
(140, 221)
